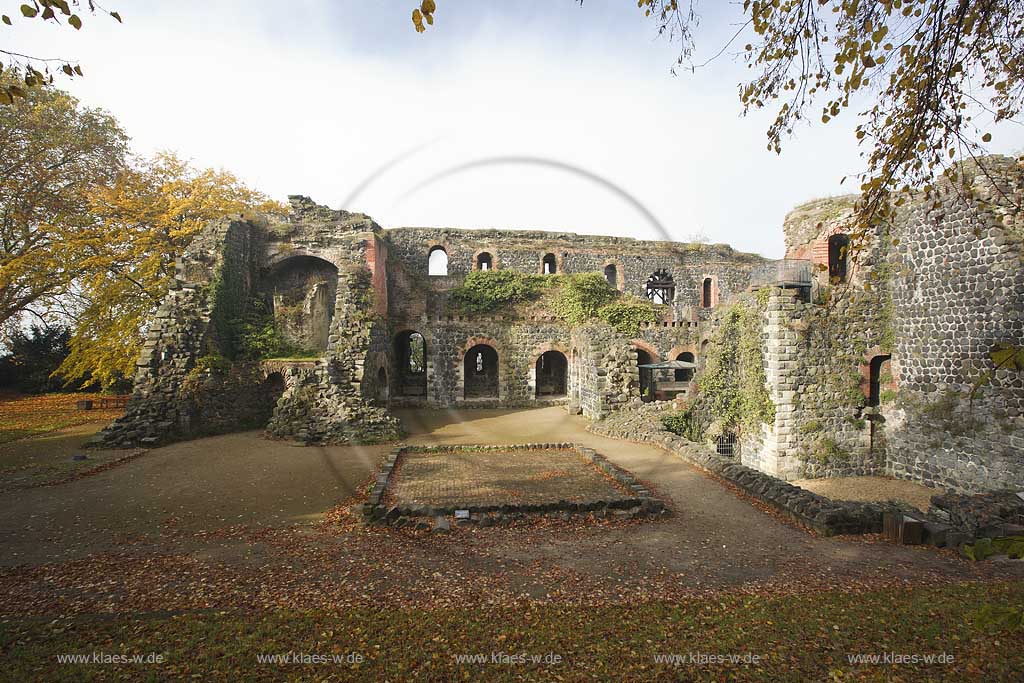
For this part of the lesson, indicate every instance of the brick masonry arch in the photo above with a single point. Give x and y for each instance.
(495, 261)
(648, 347)
(539, 351)
(682, 348)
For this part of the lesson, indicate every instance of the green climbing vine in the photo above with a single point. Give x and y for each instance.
(579, 297)
(732, 385)
(489, 291)
(575, 298)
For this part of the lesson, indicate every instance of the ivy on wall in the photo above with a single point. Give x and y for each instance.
(228, 298)
(627, 313)
(488, 291)
(732, 387)
(576, 298)
(579, 297)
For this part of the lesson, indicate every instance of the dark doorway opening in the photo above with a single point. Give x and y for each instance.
(646, 375)
(480, 368)
(684, 374)
(611, 274)
(551, 374)
(838, 255)
(271, 391)
(410, 365)
(879, 366)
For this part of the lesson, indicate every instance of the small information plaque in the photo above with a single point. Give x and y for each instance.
(462, 514)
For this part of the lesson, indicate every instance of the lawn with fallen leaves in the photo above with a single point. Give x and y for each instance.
(23, 416)
(805, 637)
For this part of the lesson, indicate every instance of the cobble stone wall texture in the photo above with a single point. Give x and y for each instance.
(958, 290)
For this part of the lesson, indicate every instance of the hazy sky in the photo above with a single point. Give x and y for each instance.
(564, 104)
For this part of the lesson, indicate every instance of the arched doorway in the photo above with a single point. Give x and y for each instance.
(552, 368)
(684, 374)
(480, 372)
(271, 391)
(646, 375)
(611, 274)
(707, 293)
(410, 364)
(838, 253)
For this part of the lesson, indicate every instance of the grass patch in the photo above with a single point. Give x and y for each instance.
(24, 416)
(797, 638)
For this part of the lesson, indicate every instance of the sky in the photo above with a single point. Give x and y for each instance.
(533, 114)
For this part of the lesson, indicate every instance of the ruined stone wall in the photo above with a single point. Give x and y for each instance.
(945, 285)
(635, 261)
(818, 351)
(328, 402)
(958, 290)
(813, 354)
(213, 279)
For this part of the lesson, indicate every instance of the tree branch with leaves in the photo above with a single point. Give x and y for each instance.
(30, 71)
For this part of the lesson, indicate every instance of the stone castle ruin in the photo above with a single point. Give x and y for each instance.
(314, 325)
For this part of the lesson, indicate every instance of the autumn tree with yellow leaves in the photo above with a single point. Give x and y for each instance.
(89, 234)
(53, 153)
(144, 221)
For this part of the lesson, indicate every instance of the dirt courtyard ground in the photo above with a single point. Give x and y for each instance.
(482, 478)
(237, 519)
(872, 489)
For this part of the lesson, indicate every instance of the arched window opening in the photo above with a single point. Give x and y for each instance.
(484, 261)
(480, 374)
(301, 291)
(646, 375)
(549, 265)
(552, 368)
(661, 288)
(611, 274)
(410, 365)
(726, 444)
(684, 374)
(437, 261)
(838, 248)
(879, 377)
(707, 293)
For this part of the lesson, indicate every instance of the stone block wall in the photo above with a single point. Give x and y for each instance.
(635, 261)
(958, 291)
(213, 278)
(813, 354)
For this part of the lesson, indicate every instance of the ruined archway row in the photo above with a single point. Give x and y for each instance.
(437, 368)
